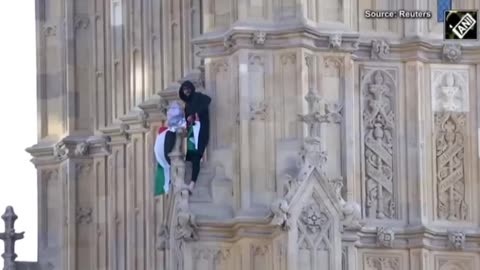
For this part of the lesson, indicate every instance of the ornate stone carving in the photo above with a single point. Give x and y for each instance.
(313, 155)
(124, 129)
(9, 237)
(452, 52)
(312, 152)
(331, 113)
(352, 213)
(186, 225)
(385, 237)
(259, 38)
(313, 218)
(60, 151)
(450, 91)
(382, 263)
(456, 240)
(280, 214)
(228, 42)
(352, 216)
(81, 149)
(258, 111)
(380, 49)
(316, 231)
(335, 41)
(84, 215)
(450, 167)
(379, 129)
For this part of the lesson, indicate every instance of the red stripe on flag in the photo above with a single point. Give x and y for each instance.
(162, 129)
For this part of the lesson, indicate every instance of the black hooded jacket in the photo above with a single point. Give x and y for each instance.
(197, 103)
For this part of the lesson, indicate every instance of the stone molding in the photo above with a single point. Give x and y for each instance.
(138, 120)
(421, 237)
(75, 147)
(404, 237)
(305, 36)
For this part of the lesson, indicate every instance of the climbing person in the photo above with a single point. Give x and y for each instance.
(164, 144)
(198, 122)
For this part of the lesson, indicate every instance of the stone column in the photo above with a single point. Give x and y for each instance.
(351, 167)
(419, 259)
(117, 186)
(257, 158)
(51, 90)
(415, 28)
(67, 196)
(416, 136)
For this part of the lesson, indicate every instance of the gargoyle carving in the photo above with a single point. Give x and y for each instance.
(186, 225)
(60, 151)
(280, 214)
(335, 41)
(259, 38)
(456, 240)
(385, 237)
(352, 216)
(81, 149)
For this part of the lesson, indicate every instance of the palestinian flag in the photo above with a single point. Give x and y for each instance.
(163, 146)
(192, 136)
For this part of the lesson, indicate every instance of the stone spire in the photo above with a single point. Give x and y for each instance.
(9, 237)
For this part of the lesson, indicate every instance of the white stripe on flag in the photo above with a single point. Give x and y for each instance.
(196, 132)
(160, 156)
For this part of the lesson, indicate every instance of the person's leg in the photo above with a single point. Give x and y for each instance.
(194, 158)
(195, 166)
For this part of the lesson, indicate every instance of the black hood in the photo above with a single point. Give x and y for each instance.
(186, 84)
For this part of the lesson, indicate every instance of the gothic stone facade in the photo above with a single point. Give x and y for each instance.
(338, 142)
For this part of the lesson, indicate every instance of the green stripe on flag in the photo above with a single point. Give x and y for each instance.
(159, 181)
(191, 140)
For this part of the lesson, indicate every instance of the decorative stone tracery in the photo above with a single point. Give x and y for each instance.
(315, 232)
(379, 130)
(450, 148)
(380, 49)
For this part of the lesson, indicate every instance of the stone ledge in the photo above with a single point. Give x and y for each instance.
(363, 47)
(75, 146)
(138, 120)
(430, 238)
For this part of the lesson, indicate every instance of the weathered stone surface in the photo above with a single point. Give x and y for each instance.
(336, 141)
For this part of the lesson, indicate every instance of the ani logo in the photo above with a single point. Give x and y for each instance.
(461, 24)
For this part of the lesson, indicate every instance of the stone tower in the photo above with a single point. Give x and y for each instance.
(337, 142)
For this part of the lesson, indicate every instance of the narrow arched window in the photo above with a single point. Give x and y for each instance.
(442, 6)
